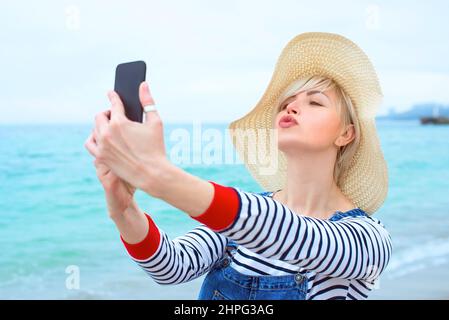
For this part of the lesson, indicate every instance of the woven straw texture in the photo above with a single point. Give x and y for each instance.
(338, 58)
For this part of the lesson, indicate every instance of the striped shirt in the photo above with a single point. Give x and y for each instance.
(341, 259)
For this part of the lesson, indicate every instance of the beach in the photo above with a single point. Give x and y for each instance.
(425, 284)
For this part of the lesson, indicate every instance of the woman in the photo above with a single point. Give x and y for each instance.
(311, 235)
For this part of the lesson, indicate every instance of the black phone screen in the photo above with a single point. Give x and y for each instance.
(128, 77)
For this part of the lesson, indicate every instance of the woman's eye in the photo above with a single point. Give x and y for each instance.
(316, 103)
(283, 106)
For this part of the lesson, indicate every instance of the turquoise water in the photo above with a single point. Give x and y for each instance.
(53, 213)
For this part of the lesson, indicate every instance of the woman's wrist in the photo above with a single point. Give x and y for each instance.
(159, 178)
(132, 224)
(131, 210)
(144, 249)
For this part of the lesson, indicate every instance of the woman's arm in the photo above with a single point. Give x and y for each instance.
(165, 261)
(132, 224)
(192, 195)
(181, 260)
(357, 248)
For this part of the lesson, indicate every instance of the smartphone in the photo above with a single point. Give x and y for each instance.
(128, 77)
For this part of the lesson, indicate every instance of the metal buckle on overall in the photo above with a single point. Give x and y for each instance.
(299, 277)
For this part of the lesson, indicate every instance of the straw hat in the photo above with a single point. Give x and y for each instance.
(335, 57)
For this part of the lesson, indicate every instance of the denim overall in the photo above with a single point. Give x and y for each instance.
(225, 283)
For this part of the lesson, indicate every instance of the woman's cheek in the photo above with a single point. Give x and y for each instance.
(322, 130)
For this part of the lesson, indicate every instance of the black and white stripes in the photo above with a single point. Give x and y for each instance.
(186, 257)
(351, 248)
(342, 258)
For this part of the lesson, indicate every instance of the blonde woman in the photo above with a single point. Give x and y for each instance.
(311, 235)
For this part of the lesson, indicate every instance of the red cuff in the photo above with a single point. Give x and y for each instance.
(223, 210)
(148, 246)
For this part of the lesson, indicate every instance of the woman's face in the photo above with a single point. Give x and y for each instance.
(317, 122)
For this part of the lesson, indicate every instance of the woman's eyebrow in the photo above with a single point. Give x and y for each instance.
(309, 93)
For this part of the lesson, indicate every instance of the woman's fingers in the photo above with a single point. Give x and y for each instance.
(102, 169)
(147, 99)
(145, 95)
(117, 108)
(101, 123)
(96, 133)
(91, 146)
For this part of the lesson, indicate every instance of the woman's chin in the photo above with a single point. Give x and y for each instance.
(288, 145)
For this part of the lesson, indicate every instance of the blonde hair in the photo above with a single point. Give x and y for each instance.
(345, 108)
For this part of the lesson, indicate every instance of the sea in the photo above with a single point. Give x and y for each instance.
(57, 242)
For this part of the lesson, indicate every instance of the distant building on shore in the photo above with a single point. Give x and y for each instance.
(426, 113)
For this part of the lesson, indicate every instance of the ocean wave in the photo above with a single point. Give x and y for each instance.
(418, 257)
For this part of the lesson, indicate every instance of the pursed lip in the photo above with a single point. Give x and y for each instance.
(287, 118)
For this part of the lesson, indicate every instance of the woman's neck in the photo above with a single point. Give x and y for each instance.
(310, 189)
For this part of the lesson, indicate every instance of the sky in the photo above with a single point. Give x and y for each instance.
(206, 60)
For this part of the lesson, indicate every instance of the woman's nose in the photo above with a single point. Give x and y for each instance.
(292, 108)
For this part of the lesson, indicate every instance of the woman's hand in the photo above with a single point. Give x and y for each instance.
(134, 151)
(119, 193)
(122, 208)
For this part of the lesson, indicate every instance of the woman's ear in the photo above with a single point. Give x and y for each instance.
(346, 136)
